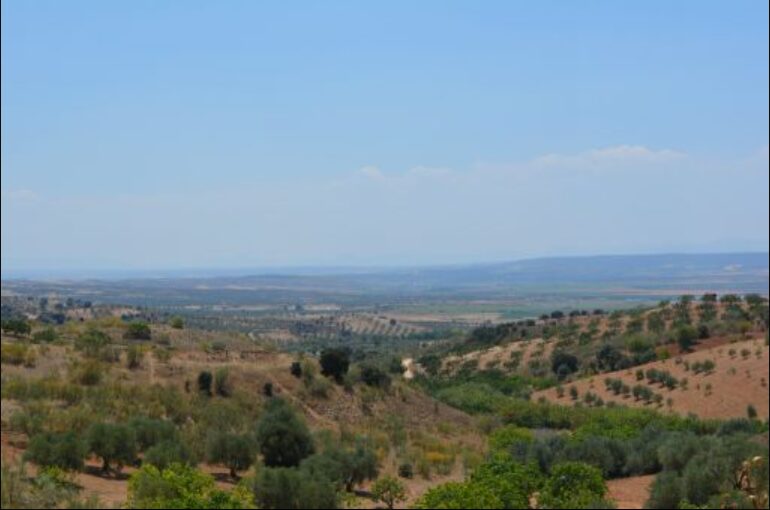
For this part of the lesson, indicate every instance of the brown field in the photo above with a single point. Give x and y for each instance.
(736, 382)
(631, 492)
(497, 356)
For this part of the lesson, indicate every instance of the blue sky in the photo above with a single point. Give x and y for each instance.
(143, 134)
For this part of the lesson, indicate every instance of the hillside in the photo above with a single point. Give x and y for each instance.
(402, 425)
(523, 401)
(738, 381)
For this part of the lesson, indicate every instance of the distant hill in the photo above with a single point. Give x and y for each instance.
(609, 268)
(637, 275)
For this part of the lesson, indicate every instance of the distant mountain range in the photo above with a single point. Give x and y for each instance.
(649, 275)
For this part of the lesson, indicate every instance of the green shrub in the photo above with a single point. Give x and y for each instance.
(223, 382)
(573, 485)
(88, 372)
(233, 450)
(180, 486)
(335, 363)
(46, 335)
(113, 444)
(18, 327)
(13, 354)
(374, 376)
(504, 438)
(405, 470)
(293, 488)
(666, 491)
(282, 437)
(509, 481)
(138, 331)
(459, 495)
(388, 490)
(204, 383)
(164, 454)
(92, 342)
(150, 431)
(64, 450)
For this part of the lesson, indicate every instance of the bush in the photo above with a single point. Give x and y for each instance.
(405, 470)
(88, 372)
(282, 437)
(666, 491)
(509, 481)
(92, 342)
(389, 490)
(18, 327)
(319, 387)
(223, 382)
(113, 443)
(204, 382)
(686, 337)
(504, 438)
(138, 331)
(292, 488)
(573, 485)
(563, 364)
(459, 495)
(234, 451)
(149, 431)
(46, 335)
(677, 450)
(373, 376)
(166, 453)
(180, 486)
(353, 466)
(13, 354)
(606, 454)
(176, 322)
(296, 369)
(65, 450)
(335, 363)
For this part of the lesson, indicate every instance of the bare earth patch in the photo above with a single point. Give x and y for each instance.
(737, 382)
(630, 492)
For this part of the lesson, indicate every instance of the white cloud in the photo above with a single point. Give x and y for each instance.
(372, 172)
(616, 156)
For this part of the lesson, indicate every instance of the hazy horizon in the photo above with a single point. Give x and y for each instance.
(138, 135)
(116, 273)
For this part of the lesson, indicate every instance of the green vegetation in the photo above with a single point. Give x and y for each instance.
(388, 490)
(113, 444)
(62, 450)
(210, 405)
(335, 363)
(138, 331)
(233, 450)
(180, 486)
(282, 437)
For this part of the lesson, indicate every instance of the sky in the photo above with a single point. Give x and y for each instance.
(182, 134)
